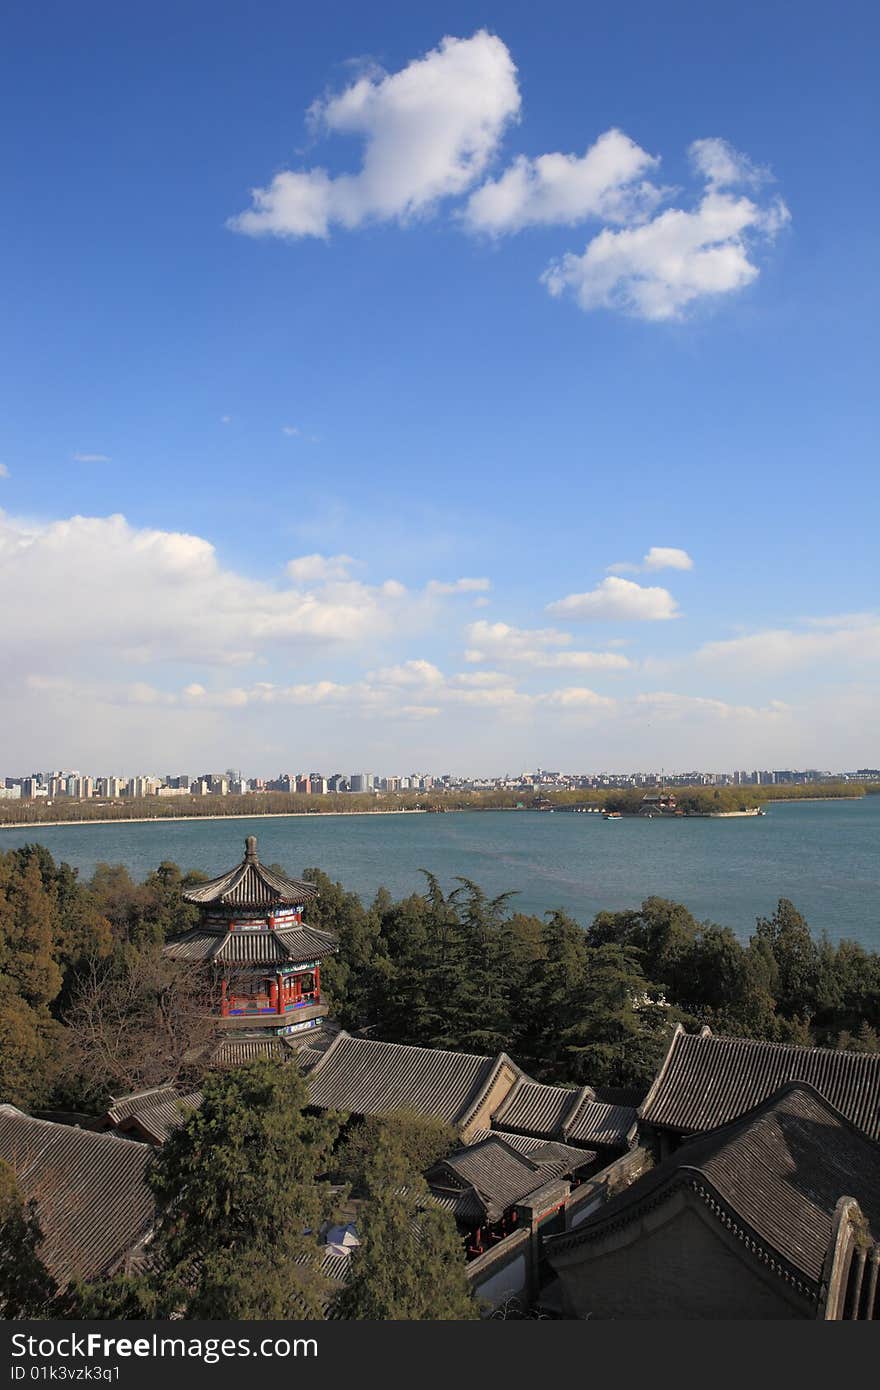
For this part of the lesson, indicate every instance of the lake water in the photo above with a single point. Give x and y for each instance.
(824, 856)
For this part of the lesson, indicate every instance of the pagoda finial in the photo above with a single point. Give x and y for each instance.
(250, 848)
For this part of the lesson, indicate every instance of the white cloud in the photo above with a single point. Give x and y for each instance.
(666, 704)
(291, 430)
(667, 557)
(482, 678)
(618, 600)
(535, 648)
(91, 458)
(98, 584)
(318, 569)
(4, 471)
(657, 270)
(416, 672)
(226, 419)
(855, 641)
(429, 132)
(723, 167)
(458, 586)
(659, 557)
(580, 698)
(562, 189)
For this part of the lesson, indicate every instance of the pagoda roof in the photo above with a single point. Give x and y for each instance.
(705, 1081)
(251, 884)
(252, 947)
(773, 1178)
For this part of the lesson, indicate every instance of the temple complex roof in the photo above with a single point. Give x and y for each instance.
(705, 1081)
(559, 1112)
(153, 1113)
(773, 1178)
(251, 884)
(482, 1181)
(368, 1077)
(477, 1094)
(93, 1203)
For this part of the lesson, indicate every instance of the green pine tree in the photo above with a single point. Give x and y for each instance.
(410, 1264)
(242, 1200)
(27, 1289)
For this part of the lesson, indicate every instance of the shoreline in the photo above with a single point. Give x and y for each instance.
(397, 811)
(242, 815)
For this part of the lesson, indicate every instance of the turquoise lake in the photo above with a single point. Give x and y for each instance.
(823, 855)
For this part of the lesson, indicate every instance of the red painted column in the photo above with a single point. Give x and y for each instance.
(273, 995)
(224, 999)
(279, 994)
(317, 984)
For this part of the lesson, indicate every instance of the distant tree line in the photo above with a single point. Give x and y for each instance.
(695, 800)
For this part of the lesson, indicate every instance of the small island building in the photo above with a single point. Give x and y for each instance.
(266, 959)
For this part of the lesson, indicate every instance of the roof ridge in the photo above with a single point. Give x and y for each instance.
(785, 1046)
(340, 1036)
(147, 1091)
(677, 1033)
(683, 1175)
(420, 1047)
(102, 1135)
(584, 1094)
(464, 1118)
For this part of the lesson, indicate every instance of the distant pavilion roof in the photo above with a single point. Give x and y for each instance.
(705, 1081)
(773, 1177)
(251, 884)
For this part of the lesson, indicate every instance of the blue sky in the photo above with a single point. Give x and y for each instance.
(444, 358)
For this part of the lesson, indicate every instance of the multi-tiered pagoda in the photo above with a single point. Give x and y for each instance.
(267, 960)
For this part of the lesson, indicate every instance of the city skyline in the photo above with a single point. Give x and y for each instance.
(74, 784)
(455, 390)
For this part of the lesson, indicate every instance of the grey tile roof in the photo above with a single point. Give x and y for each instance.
(251, 884)
(232, 1051)
(197, 944)
(497, 1174)
(93, 1202)
(540, 1150)
(252, 947)
(705, 1081)
(772, 1177)
(368, 1077)
(121, 1107)
(610, 1126)
(573, 1116)
(155, 1113)
(536, 1108)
